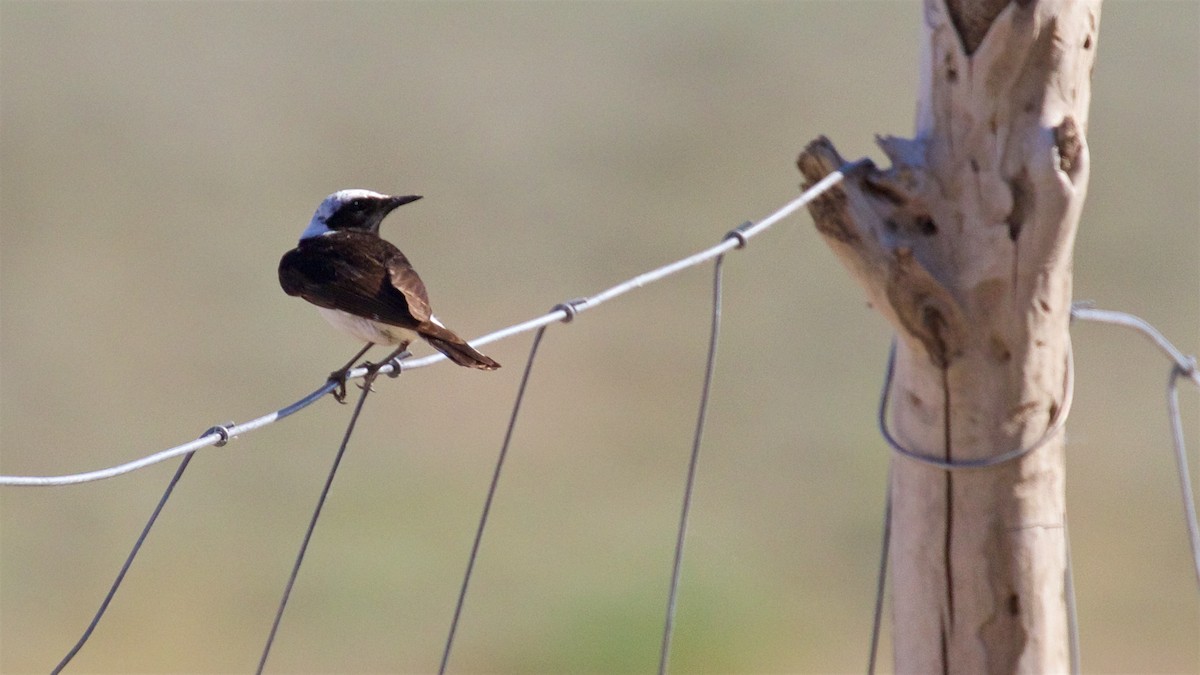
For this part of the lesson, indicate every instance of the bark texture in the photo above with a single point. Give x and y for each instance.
(964, 245)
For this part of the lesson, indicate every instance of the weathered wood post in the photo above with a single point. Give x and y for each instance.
(965, 246)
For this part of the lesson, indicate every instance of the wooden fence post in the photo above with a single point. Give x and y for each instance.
(965, 245)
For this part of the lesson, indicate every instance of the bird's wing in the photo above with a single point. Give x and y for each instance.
(404, 279)
(337, 271)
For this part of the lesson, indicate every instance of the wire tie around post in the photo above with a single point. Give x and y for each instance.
(1055, 426)
(221, 430)
(739, 233)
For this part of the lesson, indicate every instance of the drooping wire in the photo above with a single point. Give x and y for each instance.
(1057, 422)
(491, 494)
(693, 460)
(137, 546)
(312, 523)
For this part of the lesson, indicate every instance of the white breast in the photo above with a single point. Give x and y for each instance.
(366, 329)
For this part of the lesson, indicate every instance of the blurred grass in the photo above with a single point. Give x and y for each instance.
(156, 159)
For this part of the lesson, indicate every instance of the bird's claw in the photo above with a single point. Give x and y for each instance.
(339, 391)
(368, 380)
(338, 377)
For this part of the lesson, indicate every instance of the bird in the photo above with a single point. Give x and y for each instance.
(363, 285)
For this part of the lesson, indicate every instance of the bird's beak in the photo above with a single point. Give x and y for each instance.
(393, 202)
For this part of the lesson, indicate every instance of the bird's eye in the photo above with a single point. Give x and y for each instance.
(358, 204)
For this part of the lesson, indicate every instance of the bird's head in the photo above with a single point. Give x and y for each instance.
(353, 210)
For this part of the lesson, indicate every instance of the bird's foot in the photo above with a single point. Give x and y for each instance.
(368, 380)
(373, 368)
(339, 376)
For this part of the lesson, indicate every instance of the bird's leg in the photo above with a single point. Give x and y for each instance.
(393, 358)
(339, 375)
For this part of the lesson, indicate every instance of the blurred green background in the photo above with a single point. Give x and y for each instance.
(156, 160)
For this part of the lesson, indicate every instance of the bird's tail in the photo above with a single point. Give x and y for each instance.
(457, 350)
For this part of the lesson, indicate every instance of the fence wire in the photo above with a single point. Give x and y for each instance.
(221, 434)
(1181, 367)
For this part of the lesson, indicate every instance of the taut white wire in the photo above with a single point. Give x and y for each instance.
(650, 277)
(558, 314)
